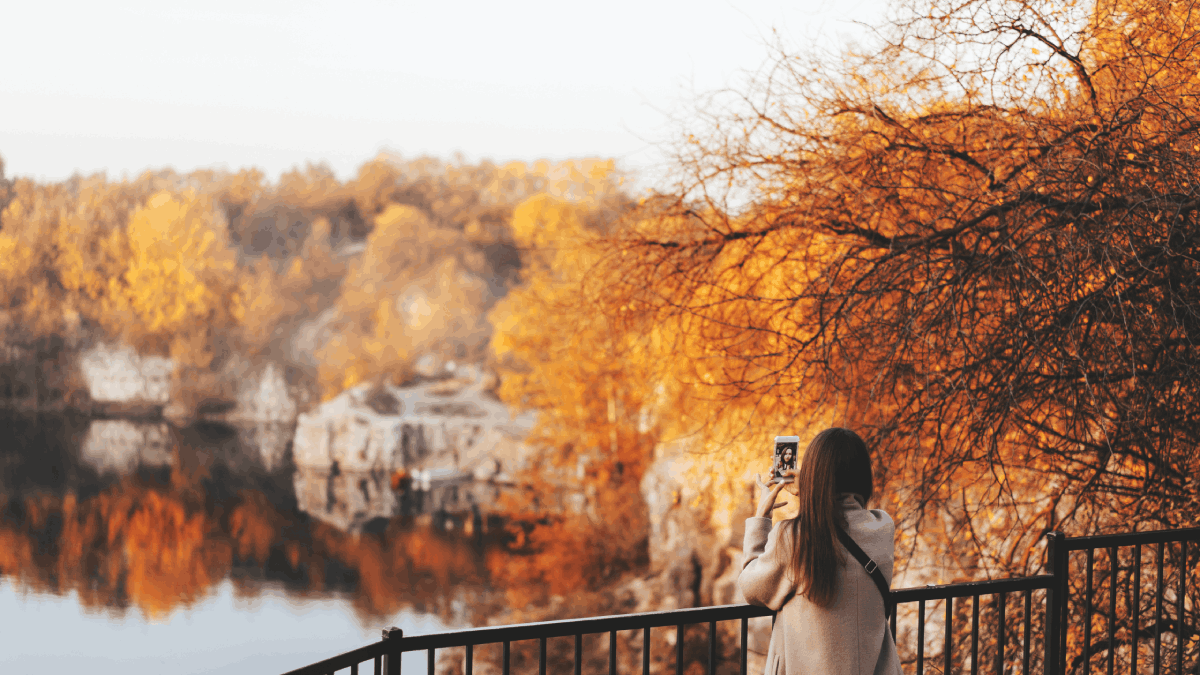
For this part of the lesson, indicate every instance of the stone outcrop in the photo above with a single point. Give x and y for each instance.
(119, 380)
(116, 373)
(461, 446)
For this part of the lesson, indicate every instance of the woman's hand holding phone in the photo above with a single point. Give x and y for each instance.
(766, 503)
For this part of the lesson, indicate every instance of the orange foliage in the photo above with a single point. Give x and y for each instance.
(572, 554)
(940, 240)
(592, 386)
(158, 549)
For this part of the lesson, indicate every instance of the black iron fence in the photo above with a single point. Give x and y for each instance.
(1128, 602)
(1095, 607)
(960, 643)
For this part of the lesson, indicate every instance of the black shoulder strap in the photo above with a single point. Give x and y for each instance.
(871, 568)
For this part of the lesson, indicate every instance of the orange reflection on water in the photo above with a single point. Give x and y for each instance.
(156, 548)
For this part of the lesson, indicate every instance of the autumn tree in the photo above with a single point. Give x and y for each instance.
(976, 243)
(71, 274)
(405, 294)
(588, 382)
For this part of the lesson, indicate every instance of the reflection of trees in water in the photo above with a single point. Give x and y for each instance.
(154, 546)
(130, 533)
(121, 445)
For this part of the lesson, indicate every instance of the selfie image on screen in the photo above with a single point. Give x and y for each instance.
(786, 449)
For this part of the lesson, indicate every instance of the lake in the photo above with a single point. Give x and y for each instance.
(138, 547)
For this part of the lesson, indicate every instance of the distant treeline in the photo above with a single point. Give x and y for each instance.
(215, 268)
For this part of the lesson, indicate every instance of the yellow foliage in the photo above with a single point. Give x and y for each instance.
(543, 222)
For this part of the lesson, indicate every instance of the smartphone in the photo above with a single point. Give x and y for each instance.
(787, 448)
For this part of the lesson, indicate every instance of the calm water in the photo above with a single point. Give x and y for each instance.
(142, 548)
(41, 633)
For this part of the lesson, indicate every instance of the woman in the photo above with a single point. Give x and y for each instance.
(830, 613)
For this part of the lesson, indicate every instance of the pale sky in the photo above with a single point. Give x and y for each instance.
(126, 86)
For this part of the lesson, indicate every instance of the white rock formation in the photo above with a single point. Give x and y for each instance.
(463, 442)
(118, 374)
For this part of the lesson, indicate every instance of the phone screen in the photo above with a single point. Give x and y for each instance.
(784, 457)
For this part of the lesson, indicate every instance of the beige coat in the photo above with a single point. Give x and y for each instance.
(851, 636)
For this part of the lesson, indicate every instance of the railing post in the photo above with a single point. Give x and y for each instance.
(391, 660)
(1056, 598)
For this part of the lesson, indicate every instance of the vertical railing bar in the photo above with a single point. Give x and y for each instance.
(470, 659)
(1065, 611)
(1027, 634)
(920, 637)
(948, 646)
(392, 659)
(975, 634)
(712, 648)
(612, 652)
(1113, 563)
(1158, 598)
(379, 665)
(1187, 567)
(507, 650)
(431, 661)
(893, 624)
(745, 644)
(1087, 612)
(1001, 631)
(353, 669)
(542, 655)
(1180, 638)
(679, 650)
(1056, 599)
(578, 653)
(1135, 609)
(646, 649)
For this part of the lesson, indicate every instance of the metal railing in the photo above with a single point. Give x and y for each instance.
(991, 642)
(948, 594)
(1114, 600)
(385, 655)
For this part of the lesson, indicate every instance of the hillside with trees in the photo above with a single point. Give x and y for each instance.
(215, 269)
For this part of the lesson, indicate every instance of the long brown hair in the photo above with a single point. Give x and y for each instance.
(835, 462)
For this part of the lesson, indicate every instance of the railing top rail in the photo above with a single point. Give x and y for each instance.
(971, 588)
(1131, 538)
(585, 626)
(343, 660)
(604, 624)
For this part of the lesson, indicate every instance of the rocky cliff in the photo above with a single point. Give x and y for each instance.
(460, 446)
